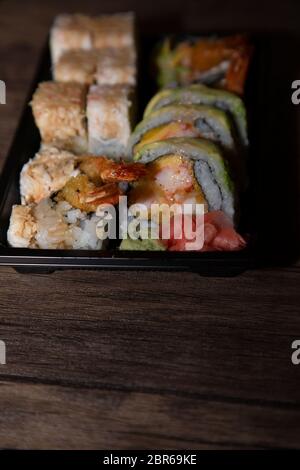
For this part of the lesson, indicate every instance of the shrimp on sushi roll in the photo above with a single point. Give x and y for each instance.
(184, 171)
(51, 169)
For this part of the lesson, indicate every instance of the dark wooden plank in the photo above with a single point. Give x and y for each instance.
(169, 332)
(60, 417)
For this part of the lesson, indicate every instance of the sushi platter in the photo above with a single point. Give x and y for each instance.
(166, 124)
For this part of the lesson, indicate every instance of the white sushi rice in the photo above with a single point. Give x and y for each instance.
(51, 225)
(218, 198)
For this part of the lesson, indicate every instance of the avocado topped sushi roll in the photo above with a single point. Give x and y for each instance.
(201, 94)
(219, 62)
(178, 120)
(186, 170)
(183, 173)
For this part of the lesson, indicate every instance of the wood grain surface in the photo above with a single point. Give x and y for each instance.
(150, 360)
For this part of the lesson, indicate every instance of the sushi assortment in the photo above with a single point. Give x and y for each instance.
(189, 147)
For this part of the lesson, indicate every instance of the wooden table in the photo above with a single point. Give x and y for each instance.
(143, 359)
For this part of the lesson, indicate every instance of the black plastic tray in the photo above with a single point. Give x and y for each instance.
(26, 144)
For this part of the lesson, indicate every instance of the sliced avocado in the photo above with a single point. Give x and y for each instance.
(143, 245)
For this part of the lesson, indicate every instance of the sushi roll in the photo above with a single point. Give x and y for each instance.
(22, 227)
(46, 173)
(67, 219)
(70, 32)
(115, 30)
(51, 169)
(97, 122)
(108, 66)
(59, 111)
(109, 120)
(179, 120)
(83, 32)
(201, 94)
(116, 66)
(76, 66)
(53, 225)
(185, 170)
(219, 62)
